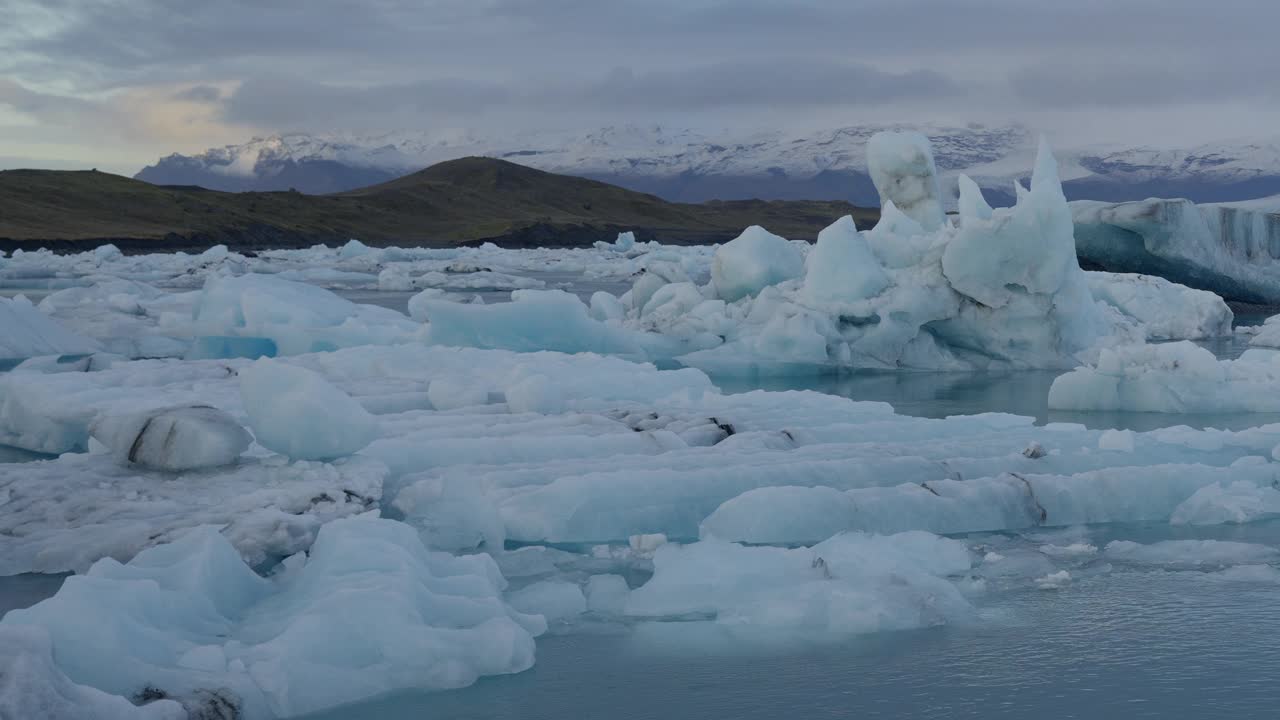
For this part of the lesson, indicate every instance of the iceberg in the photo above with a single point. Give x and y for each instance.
(1232, 249)
(370, 611)
(1000, 290)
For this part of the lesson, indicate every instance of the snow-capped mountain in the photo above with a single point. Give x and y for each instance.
(683, 164)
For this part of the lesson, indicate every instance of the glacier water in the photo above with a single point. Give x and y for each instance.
(1123, 642)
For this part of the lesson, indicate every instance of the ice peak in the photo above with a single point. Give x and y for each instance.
(972, 204)
(1044, 178)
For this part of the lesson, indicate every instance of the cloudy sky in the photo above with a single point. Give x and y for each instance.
(117, 83)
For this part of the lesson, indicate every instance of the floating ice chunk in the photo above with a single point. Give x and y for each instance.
(1166, 311)
(294, 317)
(50, 413)
(1177, 377)
(781, 515)
(419, 304)
(174, 439)
(1237, 502)
(126, 317)
(1072, 551)
(32, 686)
(26, 332)
(1189, 553)
(673, 300)
(1034, 451)
(753, 261)
(215, 254)
(554, 600)
(47, 364)
(841, 267)
(106, 253)
(1007, 502)
(296, 412)
(847, 585)
(642, 290)
(64, 514)
(606, 307)
(533, 320)
(902, 168)
(1117, 440)
(607, 594)
(452, 514)
(352, 249)
(625, 242)
(1267, 335)
(1262, 574)
(445, 394)
(1054, 581)
(370, 613)
(647, 544)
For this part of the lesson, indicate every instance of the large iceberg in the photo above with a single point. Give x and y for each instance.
(1232, 249)
(1000, 290)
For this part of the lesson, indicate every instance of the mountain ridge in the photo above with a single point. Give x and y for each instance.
(684, 165)
(465, 201)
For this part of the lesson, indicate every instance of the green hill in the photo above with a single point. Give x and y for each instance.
(464, 201)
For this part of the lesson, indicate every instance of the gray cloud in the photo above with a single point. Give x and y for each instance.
(282, 101)
(383, 64)
(199, 93)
